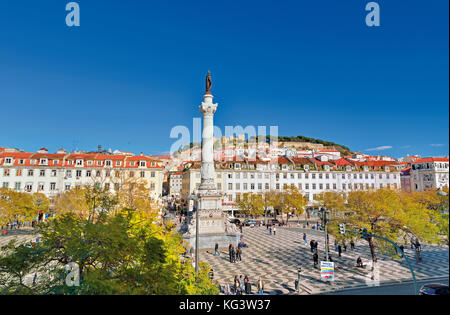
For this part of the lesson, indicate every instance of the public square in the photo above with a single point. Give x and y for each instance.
(275, 258)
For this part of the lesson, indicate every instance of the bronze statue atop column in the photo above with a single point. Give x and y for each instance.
(208, 83)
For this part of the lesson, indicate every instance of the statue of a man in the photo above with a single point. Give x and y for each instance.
(208, 82)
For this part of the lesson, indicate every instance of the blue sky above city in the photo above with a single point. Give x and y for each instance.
(135, 69)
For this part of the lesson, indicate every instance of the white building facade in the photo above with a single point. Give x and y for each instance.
(428, 173)
(54, 173)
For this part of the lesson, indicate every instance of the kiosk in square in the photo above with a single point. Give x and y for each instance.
(327, 271)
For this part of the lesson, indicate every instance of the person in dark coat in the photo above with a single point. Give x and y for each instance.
(311, 243)
(339, 250)
(316, 260)
(248, 285)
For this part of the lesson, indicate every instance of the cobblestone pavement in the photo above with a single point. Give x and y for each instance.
(21, 235)
(276, 258)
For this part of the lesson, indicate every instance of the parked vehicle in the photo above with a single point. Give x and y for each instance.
(273, 222)
(250, 222)
(434, 289)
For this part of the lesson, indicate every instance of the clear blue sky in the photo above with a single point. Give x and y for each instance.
(135, 69)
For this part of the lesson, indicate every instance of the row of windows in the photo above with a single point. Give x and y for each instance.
(310, 175)
(78, 162)
(252, 186)
(78, 173)
(41, 186)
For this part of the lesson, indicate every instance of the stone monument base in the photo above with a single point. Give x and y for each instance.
(208, 241)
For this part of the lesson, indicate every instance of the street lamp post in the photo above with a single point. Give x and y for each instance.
(325, 216)
(299, 270)
(194, 198)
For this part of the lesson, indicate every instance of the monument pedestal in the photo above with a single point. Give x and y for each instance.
(214, 226)
(213, 223)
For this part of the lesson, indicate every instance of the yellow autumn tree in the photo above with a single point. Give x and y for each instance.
(293, 202)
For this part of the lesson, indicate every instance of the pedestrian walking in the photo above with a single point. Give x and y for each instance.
(316, 245)
(238, 254)
(236, 284)
(230, 252)
(345, 246)
(216, 249)
(233, 255)
(270, 230)
(339, 250)
(352, 245)
(241, 284)
(274, 230)
(260, 286)
(240, 227)
(359, 262)
(315, 259)
(335, 246)
(304, 239)
(248, 285)
(311, 244)
(227, 289)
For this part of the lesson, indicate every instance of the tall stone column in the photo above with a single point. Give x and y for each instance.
(213, 224)
(208, 108)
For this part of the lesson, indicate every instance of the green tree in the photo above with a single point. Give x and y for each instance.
(116, 254)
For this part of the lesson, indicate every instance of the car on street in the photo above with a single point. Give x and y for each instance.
(273, 222)
(250, 222)
(434, 289)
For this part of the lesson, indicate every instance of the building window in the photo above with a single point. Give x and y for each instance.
(29, 187)
(68, 173)
(88, 173)
(5, 184)
(42, 173)
(52, 186)
(18, 172)
(79, 162)
(107, 173)
(107, 163)
(314, 186)
(142, 173)
(116, 174)
(142, 164)
(53, 173)
(230, 186)
(152, 174)
(67, 187)
(30, 173)
(307, 186)
(278, 186)
(107, 186)
(131, 174)
(98, 174)
(6, 172)
(238, 186)
(17, 186)
(267, 186)
(78, 173)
